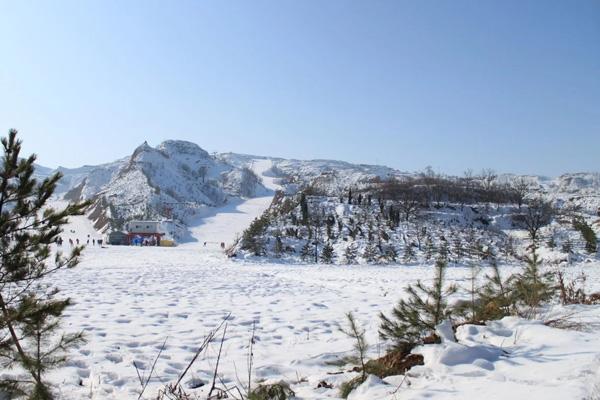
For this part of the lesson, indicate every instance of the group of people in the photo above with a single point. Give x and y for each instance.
(222, 244)
(145, 241)
(59, 241)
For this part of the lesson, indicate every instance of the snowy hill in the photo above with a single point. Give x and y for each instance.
(329, 176)
(178, 178)
(170, 180)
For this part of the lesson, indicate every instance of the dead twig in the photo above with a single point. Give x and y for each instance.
(145, 385)
(203, 346)
(217, 364)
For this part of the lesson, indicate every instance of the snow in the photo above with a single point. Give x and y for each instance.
(131, 300)
(223, 224)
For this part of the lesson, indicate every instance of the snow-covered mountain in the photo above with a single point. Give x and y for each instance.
(164, 181)
(329, 176)
(175, 177)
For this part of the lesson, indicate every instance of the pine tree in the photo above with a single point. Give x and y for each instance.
(457, 248)
(417, 317)
(253, 237)
(330, 223)
(444, 249)
(327, 253)
(471, 308)
(306, 253)
(358, 335)
(304, 209)
(588, 234)
(496, 297)
(429, 248)
(370, 253)
(390, 254)
(409, 253)
(350, 254)
(532, 286)
(30, 310)
(278, 247)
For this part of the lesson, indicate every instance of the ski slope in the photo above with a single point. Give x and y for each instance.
(223, 224)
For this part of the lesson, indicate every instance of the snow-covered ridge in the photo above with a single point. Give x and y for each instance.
(176, 175)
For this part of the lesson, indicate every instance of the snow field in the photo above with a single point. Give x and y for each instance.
(130, 300)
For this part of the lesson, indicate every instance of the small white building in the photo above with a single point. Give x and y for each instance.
(167, 229)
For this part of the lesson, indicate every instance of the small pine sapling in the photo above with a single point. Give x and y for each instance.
(418, 316)
(532, 286)
(327, 253)
(350, 254)
(360, 346)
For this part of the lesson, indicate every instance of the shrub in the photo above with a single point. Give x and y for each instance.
(275, 391)
(588, 234)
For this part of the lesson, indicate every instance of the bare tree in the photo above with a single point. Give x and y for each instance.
(203, 172)
(488, 178)
(520, 188)
(409, 206)
(539, 214)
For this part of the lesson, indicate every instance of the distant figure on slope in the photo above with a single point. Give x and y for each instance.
(204, 244)
(71, 241)
(77, 241)
(93, 242)
(223, 245)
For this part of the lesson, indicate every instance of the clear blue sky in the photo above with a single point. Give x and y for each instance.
(509, 85)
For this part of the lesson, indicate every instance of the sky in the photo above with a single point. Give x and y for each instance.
(455, 85)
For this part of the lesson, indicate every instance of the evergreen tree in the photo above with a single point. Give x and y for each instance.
(496, 297)
(409, 253)
(327, 253)
(444, 249)
(358, 335)
(471, 308)
(253, 237)
(278, 246)
(306, 253)
(370, 253)
(350, 254)
(349, 196)
(390, 254)
(457, 248)
(429, 248)
(330, 223)
(30, 312)
(533, 286)
(304, 209)
(588, 234)
(417, 317)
